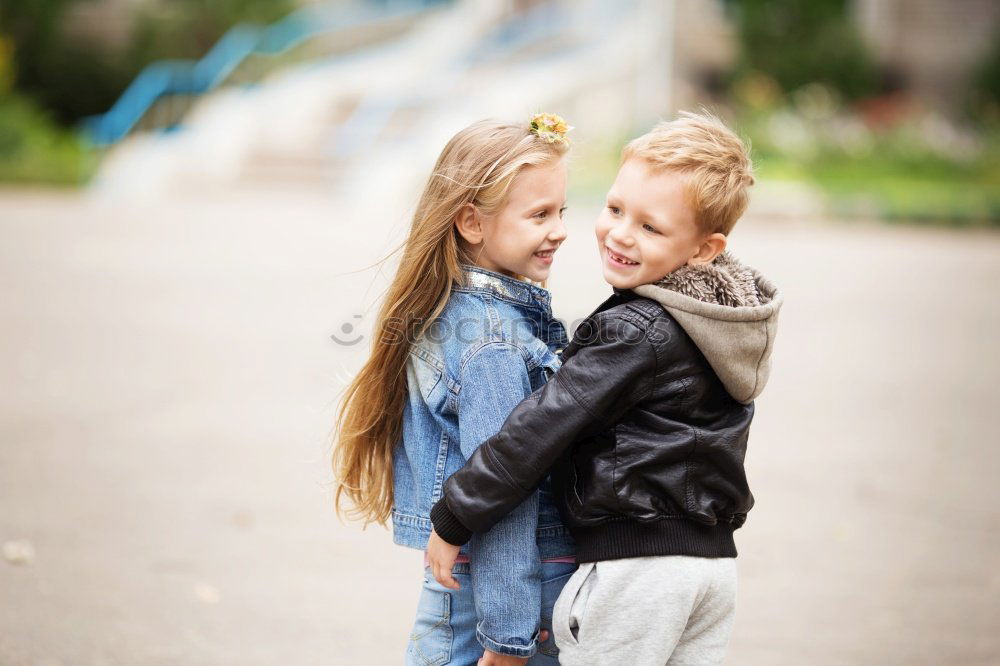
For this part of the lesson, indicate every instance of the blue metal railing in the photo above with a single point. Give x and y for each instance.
(185, 77)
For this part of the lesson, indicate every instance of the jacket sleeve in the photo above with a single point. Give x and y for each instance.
(594, 386)
(504, 561)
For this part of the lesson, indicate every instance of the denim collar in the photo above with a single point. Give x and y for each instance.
(481, 279)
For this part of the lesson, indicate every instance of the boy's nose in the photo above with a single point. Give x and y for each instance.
(620, 236)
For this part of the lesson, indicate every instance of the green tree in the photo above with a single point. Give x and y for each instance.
(983, 103)
(803, 41)
(189, 28)
(69, 77)
(74, 77)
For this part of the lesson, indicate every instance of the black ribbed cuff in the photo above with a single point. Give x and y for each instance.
(448, 526)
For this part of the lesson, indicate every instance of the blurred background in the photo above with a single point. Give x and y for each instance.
(199, 203)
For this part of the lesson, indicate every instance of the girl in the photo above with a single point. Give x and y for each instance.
(461, 338)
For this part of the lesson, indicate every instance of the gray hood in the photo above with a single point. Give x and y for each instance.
(731, 312)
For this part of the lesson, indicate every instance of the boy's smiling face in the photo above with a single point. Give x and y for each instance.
(648, 229)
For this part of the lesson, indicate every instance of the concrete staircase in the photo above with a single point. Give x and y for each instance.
(361, 122)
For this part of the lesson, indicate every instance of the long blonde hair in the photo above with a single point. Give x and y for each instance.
(477, 166)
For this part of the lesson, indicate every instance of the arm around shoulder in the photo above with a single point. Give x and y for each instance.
(611, 369)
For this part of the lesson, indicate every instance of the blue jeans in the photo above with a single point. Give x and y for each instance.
(445, 628)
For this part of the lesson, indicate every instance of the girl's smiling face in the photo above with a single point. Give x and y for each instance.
(523, 236)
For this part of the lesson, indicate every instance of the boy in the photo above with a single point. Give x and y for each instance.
(645, 425)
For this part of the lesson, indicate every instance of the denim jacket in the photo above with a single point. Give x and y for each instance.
(494, 343)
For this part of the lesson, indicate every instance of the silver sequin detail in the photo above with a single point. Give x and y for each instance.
(526, 294)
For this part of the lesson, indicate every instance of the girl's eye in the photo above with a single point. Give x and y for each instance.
(562, 211)
(615, 210)
(542, 214)
(649, 228)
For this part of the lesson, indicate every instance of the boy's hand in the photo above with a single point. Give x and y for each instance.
(442, 555)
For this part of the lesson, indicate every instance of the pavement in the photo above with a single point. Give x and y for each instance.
(170, 383)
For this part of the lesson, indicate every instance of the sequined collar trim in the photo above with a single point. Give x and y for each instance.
(505, 286)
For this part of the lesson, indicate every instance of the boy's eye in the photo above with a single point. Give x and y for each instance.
(542, 214)
(649, 228)
(615, 210)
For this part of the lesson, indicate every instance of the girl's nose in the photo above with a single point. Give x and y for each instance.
(558, 231)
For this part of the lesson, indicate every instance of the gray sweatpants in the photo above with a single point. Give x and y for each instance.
(647, 611)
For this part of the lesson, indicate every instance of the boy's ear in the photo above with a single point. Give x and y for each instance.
(710, 248)
(469, 223)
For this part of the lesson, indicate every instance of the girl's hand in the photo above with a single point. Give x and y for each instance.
(442, 555)
(494, 659)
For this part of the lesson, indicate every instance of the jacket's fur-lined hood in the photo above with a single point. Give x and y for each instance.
(730, 311)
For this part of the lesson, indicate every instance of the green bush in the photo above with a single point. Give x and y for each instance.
(35, 149)
(923, 171)
(49, 81)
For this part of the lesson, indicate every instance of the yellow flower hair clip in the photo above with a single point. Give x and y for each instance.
(550, 127)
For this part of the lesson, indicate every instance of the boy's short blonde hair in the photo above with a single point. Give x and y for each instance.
(714, 160)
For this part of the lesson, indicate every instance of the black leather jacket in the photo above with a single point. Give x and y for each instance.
(645, 425)
(645, 445)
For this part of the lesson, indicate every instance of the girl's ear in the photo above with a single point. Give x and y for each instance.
(709, 249)
(469, 222)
